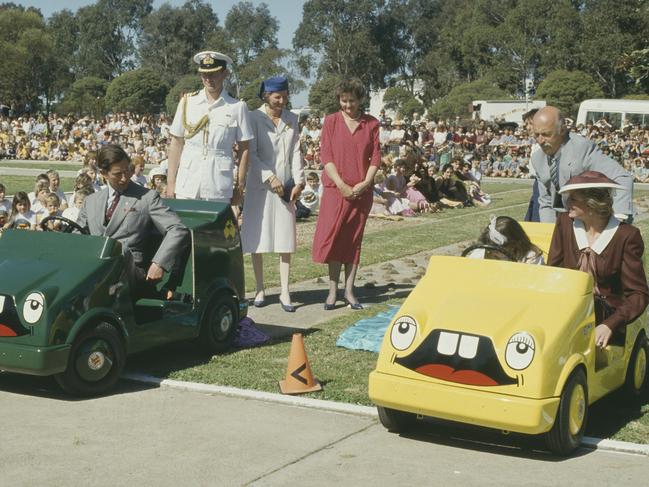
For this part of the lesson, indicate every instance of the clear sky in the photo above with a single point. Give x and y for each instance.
(287, 12)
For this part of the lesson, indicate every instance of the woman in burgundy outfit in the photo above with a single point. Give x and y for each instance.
(589, 238)
(349, 150)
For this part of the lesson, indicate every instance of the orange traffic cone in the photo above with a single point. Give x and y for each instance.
(299, 377)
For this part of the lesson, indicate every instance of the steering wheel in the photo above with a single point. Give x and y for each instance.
(70, 225)
(491, 247)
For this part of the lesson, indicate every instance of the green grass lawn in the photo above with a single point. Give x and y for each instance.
(344, 373)
(26, 183)
(386, 240)
(41, 165)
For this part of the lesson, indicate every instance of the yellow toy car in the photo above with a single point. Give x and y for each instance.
(503, 345)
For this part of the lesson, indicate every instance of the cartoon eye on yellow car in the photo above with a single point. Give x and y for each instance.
(503, 345)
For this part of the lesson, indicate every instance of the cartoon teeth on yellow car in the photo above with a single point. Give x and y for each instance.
(503, 345)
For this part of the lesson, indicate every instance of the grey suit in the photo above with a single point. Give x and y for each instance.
(575, 156)
(139, 209)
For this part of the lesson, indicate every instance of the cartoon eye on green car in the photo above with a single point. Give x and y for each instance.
(66, 308)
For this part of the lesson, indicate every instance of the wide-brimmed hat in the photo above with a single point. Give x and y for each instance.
(211, 61)
(590, 179)
(157, 171)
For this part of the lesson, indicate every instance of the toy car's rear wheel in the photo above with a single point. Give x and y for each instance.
(219, 324)
(570, 422)
(96, 361)
(396, 421)
(637, 374)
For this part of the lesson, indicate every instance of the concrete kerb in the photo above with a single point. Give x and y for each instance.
(305, 402)
(344, 408)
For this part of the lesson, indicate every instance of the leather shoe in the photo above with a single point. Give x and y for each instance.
(329, 307)
(259, 304)
(353, 305)
(289, 308)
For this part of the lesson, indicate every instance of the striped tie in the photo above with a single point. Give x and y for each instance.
(554, 172)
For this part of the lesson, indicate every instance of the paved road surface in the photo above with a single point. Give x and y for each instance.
(166, 437)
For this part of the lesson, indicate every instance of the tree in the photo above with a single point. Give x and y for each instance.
(84, 97)
(341, 32)
(30, 64)
(534, 37)
(458, 100)
(187, 84)
(139, 91)
(636, 65)
(267, 63)
(44, 68)
(611, 29)
(412, 32)
(64, 31)
(107, 33)
(322, 97)
(171, 36)
(402, 101)
(252, 30)
(567, 89)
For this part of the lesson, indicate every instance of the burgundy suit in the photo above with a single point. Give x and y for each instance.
(620, 276)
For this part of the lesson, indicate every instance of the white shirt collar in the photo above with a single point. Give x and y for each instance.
(111, 191)
(602, 241)
(223, 98)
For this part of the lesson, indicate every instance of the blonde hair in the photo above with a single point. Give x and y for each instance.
(53, 198)
(598, 200)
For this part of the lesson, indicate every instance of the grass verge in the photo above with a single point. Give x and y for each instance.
(342, 372)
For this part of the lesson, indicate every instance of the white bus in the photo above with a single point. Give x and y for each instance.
(503, 110)
(618, 113)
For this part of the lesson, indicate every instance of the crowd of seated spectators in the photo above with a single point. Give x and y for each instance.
(427, 166)
(68, 138)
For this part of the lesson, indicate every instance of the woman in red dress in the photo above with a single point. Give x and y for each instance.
(350, 152)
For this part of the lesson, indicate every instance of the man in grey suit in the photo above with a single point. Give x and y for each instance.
(131, 213)
(565, 154)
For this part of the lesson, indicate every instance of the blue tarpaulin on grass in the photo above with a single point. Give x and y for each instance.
(367, 334)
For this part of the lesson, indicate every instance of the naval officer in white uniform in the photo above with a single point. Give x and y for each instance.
(205, 128)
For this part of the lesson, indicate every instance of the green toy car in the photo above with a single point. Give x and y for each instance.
(66, 308)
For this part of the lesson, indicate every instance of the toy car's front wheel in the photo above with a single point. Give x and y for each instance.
(637, 374)
(396, 421)
(219, 323)
(96, 361)
(570, 423)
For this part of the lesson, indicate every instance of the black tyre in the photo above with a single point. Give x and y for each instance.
(570, 422)
(96, 361)
(219, 324)
(637, 373)
(396, 421)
